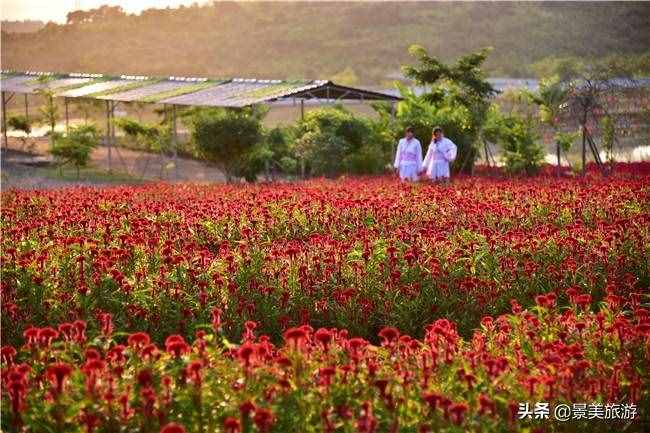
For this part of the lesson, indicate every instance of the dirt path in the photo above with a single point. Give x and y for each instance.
(136, 164)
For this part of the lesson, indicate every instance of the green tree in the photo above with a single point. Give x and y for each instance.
(462, 84)
(420, 114)
(550, 98)
(88, 106)
(226, 136)
(608, 130)
(76, 146)
(49, 110)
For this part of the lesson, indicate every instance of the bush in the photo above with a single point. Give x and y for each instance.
(151, 138)
(20, 123)
(523, 153)
(333, 141)
(75, 146)
(226, 136)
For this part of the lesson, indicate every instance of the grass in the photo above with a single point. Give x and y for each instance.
(89, 174)
(190, 88)
(124, 88)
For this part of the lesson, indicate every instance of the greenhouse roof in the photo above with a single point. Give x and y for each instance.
(193, 91)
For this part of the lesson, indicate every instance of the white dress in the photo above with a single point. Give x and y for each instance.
(408, 158)
(439, 155)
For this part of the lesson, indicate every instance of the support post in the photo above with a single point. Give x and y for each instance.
(67, 119)
(26, 108)
(559, 162)
(175, 142)
(108, 133)
(584, 149)
(4, 120)
(302, 109)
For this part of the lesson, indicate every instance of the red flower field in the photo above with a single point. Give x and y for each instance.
(359, 305)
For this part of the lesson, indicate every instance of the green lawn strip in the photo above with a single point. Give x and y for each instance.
(88, 174)
(271, 90)
(124, 88)
(42, 79)
(78, 85)
(190, 88)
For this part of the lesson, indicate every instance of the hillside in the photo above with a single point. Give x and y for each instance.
(27, 26)
(360, 42)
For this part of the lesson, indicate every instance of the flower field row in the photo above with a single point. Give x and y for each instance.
(355, 254)
(62, 380)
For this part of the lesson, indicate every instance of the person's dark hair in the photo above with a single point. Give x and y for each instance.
(437, 129)
(409, 129)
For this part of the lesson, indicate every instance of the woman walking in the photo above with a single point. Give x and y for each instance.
(441, 152)
(408, 158)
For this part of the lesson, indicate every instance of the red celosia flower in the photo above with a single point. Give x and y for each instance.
(47, 335)
(246, 408)
(7, 354)
(247, 353)
(389, 335)
(263, 419)
(58, 372)
(295, 337)
(176, 345)
(583, 301)
(172, 427)
(457, 411)
(145, 378)
(324, 337)
(231, 425)
(216, 319)
(138, 340)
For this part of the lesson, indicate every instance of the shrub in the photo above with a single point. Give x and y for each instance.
(76, 146)
(333, 141)
(225, 137)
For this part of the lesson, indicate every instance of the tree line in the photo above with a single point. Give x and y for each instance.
(354, 42)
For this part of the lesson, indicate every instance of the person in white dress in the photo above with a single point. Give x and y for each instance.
(441, 152)
(408, 158)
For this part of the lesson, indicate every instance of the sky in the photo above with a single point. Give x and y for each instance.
(56, 10)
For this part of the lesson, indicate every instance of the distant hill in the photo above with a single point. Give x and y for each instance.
(353, 42)
(27, 26)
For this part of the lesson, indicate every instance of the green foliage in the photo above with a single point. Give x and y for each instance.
(152, 138)
(49, 110)
(123, 88)
(194, 87)
(419, 113)
(550, 97)
(347, 77)
(518, 138)
(522, 151)
(20, 123)
(87, 106)
(608, 131)
(333, 141)
(228, 138)
(462, 84)
(76, 146)
(566, 139)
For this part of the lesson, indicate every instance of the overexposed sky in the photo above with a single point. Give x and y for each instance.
(56, 10)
